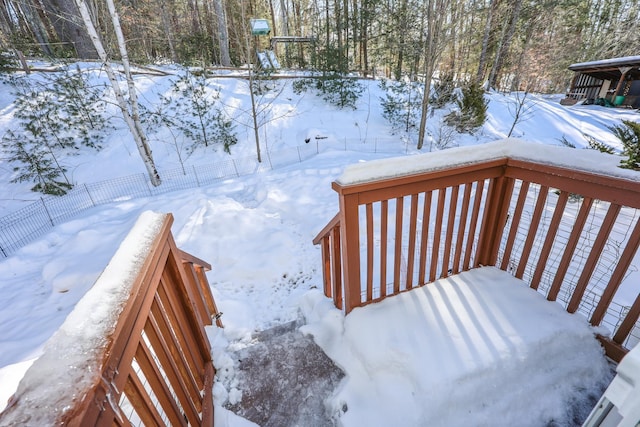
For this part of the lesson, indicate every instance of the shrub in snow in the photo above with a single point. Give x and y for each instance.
(402, 104)
(442, 91)
(473, 109)
(629, 135)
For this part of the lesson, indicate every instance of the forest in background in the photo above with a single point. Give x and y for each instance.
(503, 44)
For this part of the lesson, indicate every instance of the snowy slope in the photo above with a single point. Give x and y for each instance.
(255, 230)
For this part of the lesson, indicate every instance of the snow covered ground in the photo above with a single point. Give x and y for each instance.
(255, 230)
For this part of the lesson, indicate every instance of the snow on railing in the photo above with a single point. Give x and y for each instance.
(565, 221)
(134, 349)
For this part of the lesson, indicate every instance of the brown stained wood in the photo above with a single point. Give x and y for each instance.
(618, 275)
(384, 222)
(615, 190)
(186, 343)
(191, 301)
(532, 231)
(370, 247)
(431, 180)
(475, 214)
(592, 259)
(335, 221)
(187, 257)
(198, 300)
(164, 263)
(397, 256)
(141, 401)
(125, 344)
(338, 291)
(411, 253)
(453, 206)
(173, 367)
(168, 349)
(462, 227)
(326, 268)
(350, 238)
(493, 209)
(437, 234)
(424, 238)
(494, 220)
(207, 398)
(488, 217)
(515, 224)
(160, 388)
(206, 291)
(612, 349)
(549, 238)
(628, 323)
(570, 248)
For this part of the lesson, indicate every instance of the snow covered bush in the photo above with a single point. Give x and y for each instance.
(473, 109)
(401, 104)
(629, 135)
(192, 110)
(54, 120)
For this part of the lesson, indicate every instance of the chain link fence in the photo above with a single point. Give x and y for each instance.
(32, 221)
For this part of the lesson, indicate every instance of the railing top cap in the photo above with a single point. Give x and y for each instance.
(71, 361)
(591, 161)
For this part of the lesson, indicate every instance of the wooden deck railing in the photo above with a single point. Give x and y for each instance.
(570, 234)
(153, 366)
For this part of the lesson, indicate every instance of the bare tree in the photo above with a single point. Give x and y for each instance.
(129, 105)
(436, 15)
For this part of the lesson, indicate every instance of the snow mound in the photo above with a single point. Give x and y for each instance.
(479, 348)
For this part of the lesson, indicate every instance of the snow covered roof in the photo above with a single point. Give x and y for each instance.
(627, 61)
(609, 69)
(591, 161)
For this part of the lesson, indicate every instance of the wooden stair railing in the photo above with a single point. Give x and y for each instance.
(544, 222)
(134, 350)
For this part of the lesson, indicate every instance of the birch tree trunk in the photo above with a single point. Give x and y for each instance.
(128, 108)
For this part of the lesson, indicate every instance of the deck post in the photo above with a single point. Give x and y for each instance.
(494, 220)
(350, 242)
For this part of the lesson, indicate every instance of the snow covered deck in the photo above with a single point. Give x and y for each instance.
(477, 348)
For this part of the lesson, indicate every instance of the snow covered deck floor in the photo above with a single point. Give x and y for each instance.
(479, 348)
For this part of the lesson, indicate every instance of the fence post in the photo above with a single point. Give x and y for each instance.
(47, 211)
(146, 182)
(235, 168)
(89, 194)
(299, 156)
(269, 159)
(195, 174)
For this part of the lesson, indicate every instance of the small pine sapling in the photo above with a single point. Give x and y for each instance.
(629, 136)
(401, 104)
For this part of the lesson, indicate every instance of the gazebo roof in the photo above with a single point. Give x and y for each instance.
(609, 69)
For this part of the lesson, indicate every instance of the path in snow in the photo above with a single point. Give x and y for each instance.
(285, 378)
